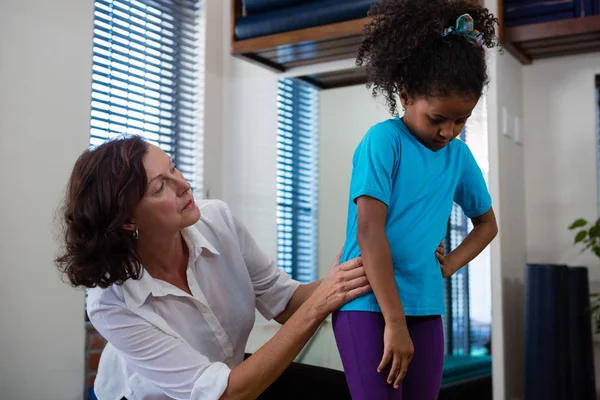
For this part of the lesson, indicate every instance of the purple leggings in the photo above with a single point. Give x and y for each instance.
(359, 337)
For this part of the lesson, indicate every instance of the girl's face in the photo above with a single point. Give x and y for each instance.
(435, 121)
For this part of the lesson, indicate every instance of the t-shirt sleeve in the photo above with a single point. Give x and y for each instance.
(471, 193)
(374, 163)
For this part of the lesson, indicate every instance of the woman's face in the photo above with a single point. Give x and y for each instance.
(168, 204)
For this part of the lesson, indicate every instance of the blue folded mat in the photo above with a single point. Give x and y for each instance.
(538, 19)
(520, 10)
(259, 6)
(315, 13)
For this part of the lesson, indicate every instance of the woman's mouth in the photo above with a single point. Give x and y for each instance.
(188, 204)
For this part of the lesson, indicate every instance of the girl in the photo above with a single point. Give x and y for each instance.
(407, 172)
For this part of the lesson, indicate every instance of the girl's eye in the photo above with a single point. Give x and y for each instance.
(435, 121)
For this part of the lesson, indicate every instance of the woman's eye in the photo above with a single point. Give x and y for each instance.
(173, 168)
(161, 187)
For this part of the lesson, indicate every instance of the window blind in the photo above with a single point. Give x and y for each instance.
(145, 76)
(467, 322)
(297, 179)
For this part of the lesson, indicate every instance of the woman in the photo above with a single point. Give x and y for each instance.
(174, 284)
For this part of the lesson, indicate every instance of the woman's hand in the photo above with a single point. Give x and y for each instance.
(344, 282)
(397, 348)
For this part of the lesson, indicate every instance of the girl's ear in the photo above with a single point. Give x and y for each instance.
(404, 98)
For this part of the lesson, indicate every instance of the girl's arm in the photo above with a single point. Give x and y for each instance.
(377, 260)
(484, 231)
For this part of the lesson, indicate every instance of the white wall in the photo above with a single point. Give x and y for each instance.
(511, 215)
(508, 251)
(345, 116)
(45, 78)
(560, 156)
(561, 175)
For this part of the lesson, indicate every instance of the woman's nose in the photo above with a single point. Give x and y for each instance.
(183, 186)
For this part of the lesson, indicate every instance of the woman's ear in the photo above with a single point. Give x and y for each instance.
(130, 227)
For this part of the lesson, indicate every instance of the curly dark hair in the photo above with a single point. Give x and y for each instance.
(403, 49)
(105, 186)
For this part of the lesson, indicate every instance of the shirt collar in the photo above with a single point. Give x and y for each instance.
(136, 291)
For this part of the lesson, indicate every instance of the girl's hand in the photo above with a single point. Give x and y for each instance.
(343, 283)
(398, 348)
(447, 269)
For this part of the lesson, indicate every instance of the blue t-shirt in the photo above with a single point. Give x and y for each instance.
(418, 186)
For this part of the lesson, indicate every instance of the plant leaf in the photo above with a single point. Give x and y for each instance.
(596, 250)
(578, 224)
(580, 236)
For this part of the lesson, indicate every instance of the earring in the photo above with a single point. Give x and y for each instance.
(136, 234)
(403, 109)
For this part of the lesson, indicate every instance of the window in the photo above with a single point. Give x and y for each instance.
(147, 66)
(297, 179)
(467, 322)
(145, 76)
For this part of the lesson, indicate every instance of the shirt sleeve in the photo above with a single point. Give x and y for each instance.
(168, 363)
(375, 160)
(273, 287)
(471, 192)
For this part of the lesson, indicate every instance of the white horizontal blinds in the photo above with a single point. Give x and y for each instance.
(145, 75)
(297, 179)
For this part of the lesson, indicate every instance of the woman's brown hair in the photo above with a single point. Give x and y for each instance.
(105, 186)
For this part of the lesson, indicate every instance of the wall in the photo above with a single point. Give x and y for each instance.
(45, 76)
(338, 138)
(560, 160)
(560, 156)
(511, 215)
(508, 251)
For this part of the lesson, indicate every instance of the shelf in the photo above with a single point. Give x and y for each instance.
(336, 79)
(553, 39)
(308, 46)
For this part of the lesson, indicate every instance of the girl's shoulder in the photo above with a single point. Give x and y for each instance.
(386, 132)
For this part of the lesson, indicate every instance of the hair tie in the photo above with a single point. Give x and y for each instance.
(464, 27)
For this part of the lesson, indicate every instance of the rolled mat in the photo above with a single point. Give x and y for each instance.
(546, 372)
(583, 383)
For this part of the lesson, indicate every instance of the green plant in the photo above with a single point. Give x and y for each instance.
(589, 236)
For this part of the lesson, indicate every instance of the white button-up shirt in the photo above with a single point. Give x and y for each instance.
(164, 343)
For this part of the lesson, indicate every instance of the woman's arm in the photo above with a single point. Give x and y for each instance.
(298, 298)
(484, 231)
(249, 379)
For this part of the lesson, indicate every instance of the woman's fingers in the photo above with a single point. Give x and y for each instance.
(352, 274)
(351, 264)
(337, 257)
